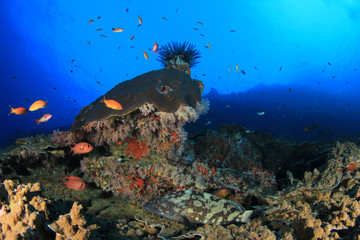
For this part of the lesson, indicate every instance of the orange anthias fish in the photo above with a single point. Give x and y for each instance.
(18, 111)
(208, 46)
(44, 118)
(155, 48)
(146, 55)
(140, 21)
(91, 21)
(117, 30)
(37, 105)
(112, 104)
(82, 147)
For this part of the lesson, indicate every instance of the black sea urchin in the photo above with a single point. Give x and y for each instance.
(176, 53)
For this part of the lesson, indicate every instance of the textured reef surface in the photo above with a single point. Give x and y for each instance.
(135, 173)
(124, 198)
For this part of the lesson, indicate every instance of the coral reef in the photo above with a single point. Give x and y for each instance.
(145, 132)
(140, 181)
(25, 214)
(72, 225)
(227, 147)
(156, 106)
(32, 150)
(322, 202)
(165, 89)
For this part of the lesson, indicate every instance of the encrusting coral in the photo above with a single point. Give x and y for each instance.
(140, 181)
(72, 225)
(25, 215)
(31, 150)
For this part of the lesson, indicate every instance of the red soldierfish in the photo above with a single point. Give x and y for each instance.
(75, 183)
(44, 118)
(82, 147)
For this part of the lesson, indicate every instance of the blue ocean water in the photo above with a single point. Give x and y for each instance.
(298, 60)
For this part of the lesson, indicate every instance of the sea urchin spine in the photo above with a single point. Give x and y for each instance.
(175, 54)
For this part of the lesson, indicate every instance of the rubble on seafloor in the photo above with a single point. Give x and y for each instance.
(321, 204)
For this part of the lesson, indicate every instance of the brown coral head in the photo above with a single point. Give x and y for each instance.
(165, 89)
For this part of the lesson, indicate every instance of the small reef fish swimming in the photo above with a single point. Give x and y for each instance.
(117, 30)
(155, 48)
(237, 68)
(260, 113)
(91, 21)
(140, 21)
(18, 111)
(198, 207)
(208, 46)
(146, 55)
(37, 105)
(44, 118)
(82, 147)
(112, 104)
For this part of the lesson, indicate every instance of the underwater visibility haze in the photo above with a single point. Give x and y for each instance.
(189, 110)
